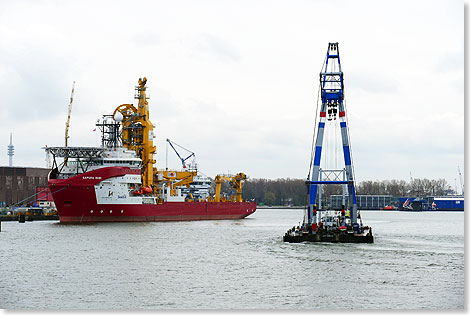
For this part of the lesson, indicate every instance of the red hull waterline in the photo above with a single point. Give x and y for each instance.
(76, 202)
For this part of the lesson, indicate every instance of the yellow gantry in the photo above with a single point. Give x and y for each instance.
(236, 181)
(174, 179)
(137, 131)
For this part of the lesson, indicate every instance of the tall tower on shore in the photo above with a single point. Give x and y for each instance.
(11, 151)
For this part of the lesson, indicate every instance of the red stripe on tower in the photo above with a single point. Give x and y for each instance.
(342, 114)
(322, 114)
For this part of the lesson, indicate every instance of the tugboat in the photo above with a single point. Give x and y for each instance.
(322, 225)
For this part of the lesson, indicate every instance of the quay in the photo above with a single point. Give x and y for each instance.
(42, 217)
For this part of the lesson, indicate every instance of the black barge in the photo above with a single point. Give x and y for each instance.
(334, 235)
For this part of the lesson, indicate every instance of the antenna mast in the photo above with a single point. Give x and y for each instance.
(11, 151)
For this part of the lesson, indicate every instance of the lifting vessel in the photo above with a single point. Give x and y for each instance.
(118, 181)
(323, 225)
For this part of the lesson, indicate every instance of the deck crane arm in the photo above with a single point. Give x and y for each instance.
(236, 181)
(174, 179)
(183, 160)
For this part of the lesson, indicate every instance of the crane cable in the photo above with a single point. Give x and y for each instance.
(315, 126)
(30, 202)
(350, 145)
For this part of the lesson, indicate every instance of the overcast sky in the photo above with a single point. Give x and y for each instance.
(237, 81)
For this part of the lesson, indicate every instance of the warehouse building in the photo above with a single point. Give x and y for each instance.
(19, 183)
(365, 202)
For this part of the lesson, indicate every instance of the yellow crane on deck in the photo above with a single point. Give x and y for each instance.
(137, 131)
(174, 179)
(235, 181)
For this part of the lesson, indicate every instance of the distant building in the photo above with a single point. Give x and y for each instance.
(19, 183)
(364, 202)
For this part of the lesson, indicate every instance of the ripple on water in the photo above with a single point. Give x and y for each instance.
(243, 264)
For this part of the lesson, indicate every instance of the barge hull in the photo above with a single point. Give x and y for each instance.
(337, 238)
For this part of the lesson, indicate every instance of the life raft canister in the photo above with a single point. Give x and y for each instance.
(147, 190)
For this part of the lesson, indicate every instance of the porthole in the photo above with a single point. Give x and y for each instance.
(91, 211)
(101, 211)
(122, 211)
(110, 211)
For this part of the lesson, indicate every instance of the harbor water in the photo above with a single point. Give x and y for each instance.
(416, 262)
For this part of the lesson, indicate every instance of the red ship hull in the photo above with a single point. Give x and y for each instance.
(76, 202)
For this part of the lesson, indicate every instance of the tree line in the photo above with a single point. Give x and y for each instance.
(288, 191)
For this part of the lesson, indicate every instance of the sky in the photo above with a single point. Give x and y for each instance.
(236, 82)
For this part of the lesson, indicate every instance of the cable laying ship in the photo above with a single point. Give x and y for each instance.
(118, 182)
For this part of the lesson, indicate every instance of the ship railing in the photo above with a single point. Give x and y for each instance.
(75, 152)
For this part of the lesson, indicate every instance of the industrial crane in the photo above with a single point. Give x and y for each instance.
(174, 179)
(183, 160)
(67, 124)
(137, 131)
(236, 181)
(323, 224)
(332, 102)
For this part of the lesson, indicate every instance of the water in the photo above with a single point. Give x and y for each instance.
(416, 262)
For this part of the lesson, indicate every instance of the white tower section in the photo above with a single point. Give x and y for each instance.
(11, 152)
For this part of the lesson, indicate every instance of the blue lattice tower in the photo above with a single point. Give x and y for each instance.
(332, 104)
